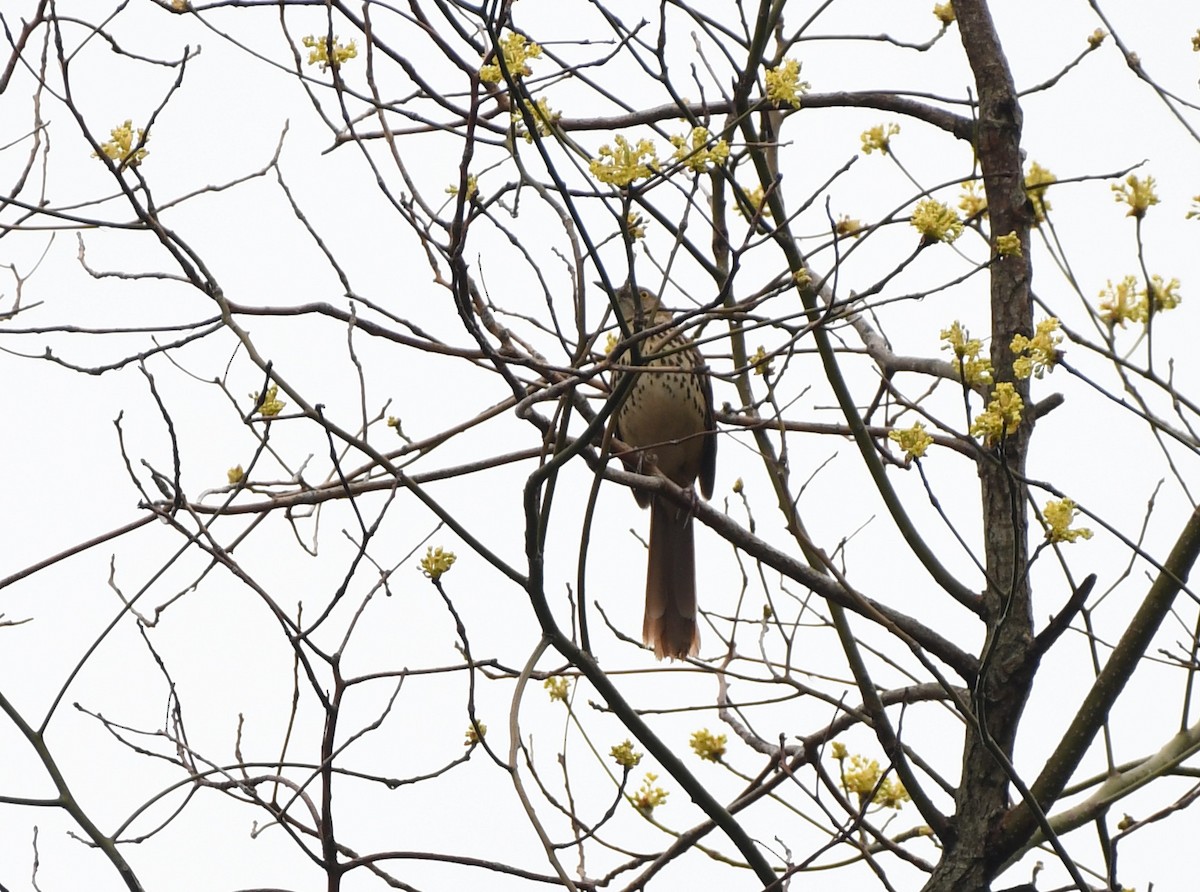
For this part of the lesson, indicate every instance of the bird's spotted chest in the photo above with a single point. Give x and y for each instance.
(664, 413)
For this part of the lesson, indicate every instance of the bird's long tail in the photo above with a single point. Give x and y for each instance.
(669, 625)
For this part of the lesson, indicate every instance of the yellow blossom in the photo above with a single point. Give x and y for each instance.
(635, 225)
(1124, 302)
(1037, 181)
(1097, 37)
(738, 486)
(708, 746)
(848, 226)
(625, 755)
(1038, 354)
(1137, 193)
(1120, 303)
(936, 222)
(973, 368)
(802, 278)
(235, 475)
(544, 118)
(1058, 517)
(610, 344)
(972, 202)
(864, 779)
(475, 733)
(472, 187)
(838, 751)
(760, 362)
(624, 164)
(648, 797)
(913, 440)
(1195, 211)
(784, 84)
(1008, 245)
(436, 562)
(1166, 296)
(757, 201)
(318, 51)
(944, 13)
(1196, 41)
(270, 405)
(517, 53)
(120, 148)
(556, 687)
(879, 138)
(1002, 416)
(694, 152)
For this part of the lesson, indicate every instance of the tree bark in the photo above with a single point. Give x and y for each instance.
(1008, 660)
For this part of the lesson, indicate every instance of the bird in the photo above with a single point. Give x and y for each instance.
(667, 417)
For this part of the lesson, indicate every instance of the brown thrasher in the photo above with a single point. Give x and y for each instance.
(668, 417)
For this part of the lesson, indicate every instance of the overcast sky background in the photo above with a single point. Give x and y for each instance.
(65, 481)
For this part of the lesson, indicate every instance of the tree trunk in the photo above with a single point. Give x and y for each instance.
(1007, 660)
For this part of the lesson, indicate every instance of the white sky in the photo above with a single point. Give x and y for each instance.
(66, 483)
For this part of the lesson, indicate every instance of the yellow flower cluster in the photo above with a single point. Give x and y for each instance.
(544, 118)
(271, 405)
(864, 778)
(1058, 522)
(472, 187)
(622, 165)
(756, 198)
(120, 147)
(1166, 296)
(635, 225)
(913, 440)
(848, 226)
(972, 202)
(1038, 354)
(319, 51)
(694, 152)
(1001, 417)
(474, 735)
(944, 13)
(625, 755)
(1037, 181)
(436, 562)
(1137, 193)
(235, 475)
(878, 138)
(784, 84)
(708, 746)
(648, 797)
(517, 53)
(556, 687)
(1124, 302)
(1008, 245)
(972, 368)
(760, 362)
(936, 222)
